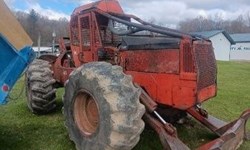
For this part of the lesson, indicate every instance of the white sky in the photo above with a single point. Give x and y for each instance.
(166, 12)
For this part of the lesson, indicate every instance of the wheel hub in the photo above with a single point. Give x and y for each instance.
(86, 113)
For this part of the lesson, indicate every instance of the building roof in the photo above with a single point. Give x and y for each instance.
(209, 34)
(241, 37)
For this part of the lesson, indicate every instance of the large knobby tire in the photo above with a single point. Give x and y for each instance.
(39, 87)
(102, 108)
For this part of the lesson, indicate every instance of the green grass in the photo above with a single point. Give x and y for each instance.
(19, 129)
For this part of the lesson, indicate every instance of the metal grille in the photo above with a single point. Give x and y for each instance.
(85, 28)
(206, 65)
(74, 31)
(188, 62)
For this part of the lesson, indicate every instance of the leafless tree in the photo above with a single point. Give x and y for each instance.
(239, 25)
(36, 24)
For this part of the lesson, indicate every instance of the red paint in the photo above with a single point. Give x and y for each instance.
(5, 88)
(179, 78)
(151, 61)
(170, 76)
(111, 6)
(167, 89)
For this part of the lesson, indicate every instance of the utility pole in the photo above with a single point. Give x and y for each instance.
(39, 44)
(53, 42)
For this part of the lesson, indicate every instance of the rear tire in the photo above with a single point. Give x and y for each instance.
(111, 99)
(39, 87)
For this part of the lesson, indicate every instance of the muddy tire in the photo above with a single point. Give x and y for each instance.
(102, 108)
(39, 87)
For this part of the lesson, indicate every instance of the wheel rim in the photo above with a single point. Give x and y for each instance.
(86, 113)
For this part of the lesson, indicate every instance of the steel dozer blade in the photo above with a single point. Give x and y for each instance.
(231, 135)
(11, 29)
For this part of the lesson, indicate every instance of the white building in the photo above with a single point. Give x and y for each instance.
(221, 41)
(46, 50)
(43, 50)
(241, 50)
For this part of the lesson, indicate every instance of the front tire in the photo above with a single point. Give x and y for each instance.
(102, 108)
(40, 91)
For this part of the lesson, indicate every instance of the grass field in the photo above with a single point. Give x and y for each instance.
(19, 129)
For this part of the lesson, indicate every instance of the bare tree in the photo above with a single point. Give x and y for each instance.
(36, 24)
(216, 22)
(197, 24)
(238, 25)
(248, 19)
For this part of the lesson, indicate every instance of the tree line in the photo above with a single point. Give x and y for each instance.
(239, 25)
(37, 25)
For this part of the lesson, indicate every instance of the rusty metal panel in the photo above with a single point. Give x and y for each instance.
(149, 43)
(11, 28)
(167, 89)
(111, 6)
(188, 62)
(154, 61)
(206, 64)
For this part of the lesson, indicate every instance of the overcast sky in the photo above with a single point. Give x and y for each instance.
(167, 12)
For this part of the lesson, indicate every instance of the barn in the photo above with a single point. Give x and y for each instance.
(241, 49)
(221, 41)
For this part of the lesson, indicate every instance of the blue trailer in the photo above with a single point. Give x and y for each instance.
(12, 65)
(15, 51)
